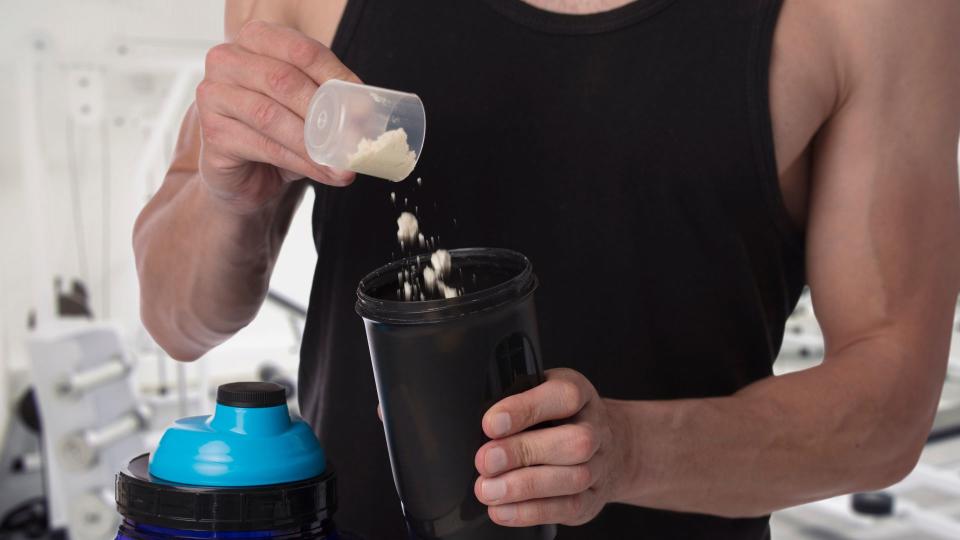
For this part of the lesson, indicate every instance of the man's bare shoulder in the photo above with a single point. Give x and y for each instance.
(885, 46)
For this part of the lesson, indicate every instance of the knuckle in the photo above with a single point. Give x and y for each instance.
(218, 56)
(575, 505)
(562, 373)
(582, 478)
(304, 52)
(525, 488)
(273, 151)
(204, 91)
(264, 113)
(576, 520)
(282, 80)
(210, 130)
(535, 512)
(526, 454)
(570, 396)
(584, 442)
(529, 409)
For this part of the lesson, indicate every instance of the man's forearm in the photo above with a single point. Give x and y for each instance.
(204, 269)
(844, 426)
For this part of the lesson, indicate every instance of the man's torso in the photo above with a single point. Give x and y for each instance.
(625, 158)
(804, 84)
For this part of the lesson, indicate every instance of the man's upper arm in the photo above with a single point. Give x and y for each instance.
(882, 239)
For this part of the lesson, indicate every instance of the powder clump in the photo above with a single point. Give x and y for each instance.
(407, 228)
(440, 260)
(389, 156)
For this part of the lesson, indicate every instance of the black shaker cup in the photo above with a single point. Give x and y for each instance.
(439, 365)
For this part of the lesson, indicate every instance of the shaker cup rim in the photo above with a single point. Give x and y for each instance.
(518, 286)
(149, 500)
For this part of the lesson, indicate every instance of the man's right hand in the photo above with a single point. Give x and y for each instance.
(251, 106)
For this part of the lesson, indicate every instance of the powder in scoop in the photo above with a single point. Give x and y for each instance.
(387, 157)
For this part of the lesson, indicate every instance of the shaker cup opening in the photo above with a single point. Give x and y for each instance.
(489, 277)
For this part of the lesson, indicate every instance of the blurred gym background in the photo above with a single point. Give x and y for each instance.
(93, 95)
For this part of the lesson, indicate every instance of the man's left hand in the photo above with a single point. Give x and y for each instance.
(563, 474)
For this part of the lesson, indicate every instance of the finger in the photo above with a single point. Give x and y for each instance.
(228, 143)
(535, 483)
(283, 43)
(379, 413)
(257, 111)
(569, 444)
(281, 81)
(563, 395)
(570, 510)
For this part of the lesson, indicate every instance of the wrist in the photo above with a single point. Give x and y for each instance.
(653, 444)
(244, 234)
(231, 205)
(626, 466)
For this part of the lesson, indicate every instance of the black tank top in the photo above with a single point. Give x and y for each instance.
(628, 154)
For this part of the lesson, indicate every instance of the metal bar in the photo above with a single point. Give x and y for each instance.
(34, 182)
(82, 381)
(287, 304)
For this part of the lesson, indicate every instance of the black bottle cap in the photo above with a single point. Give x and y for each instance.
(875, 503)
(251, 394)
(146, 499)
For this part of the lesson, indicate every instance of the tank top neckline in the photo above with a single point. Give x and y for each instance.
(566, 23)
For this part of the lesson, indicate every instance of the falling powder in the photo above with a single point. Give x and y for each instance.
(429, 279)
(448, 291)
(407, 228)
(440, 260)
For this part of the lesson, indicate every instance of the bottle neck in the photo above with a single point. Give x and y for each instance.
(251, 421)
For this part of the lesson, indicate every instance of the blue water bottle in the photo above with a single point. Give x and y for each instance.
(247, 471)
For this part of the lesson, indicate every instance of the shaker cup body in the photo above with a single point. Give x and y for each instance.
(439, 365)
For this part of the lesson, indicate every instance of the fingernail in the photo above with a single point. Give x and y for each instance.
(506, 512)
(493, 490)
(500, 424)
(495, 460)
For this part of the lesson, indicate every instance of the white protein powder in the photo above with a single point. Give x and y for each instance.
(429, 278)
(407, 228)
(387, 157)
(440, 260)
(448, 292)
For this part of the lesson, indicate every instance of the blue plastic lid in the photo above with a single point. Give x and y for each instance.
(252, 445)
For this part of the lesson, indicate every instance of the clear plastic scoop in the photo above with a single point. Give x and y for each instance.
(365, 129)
